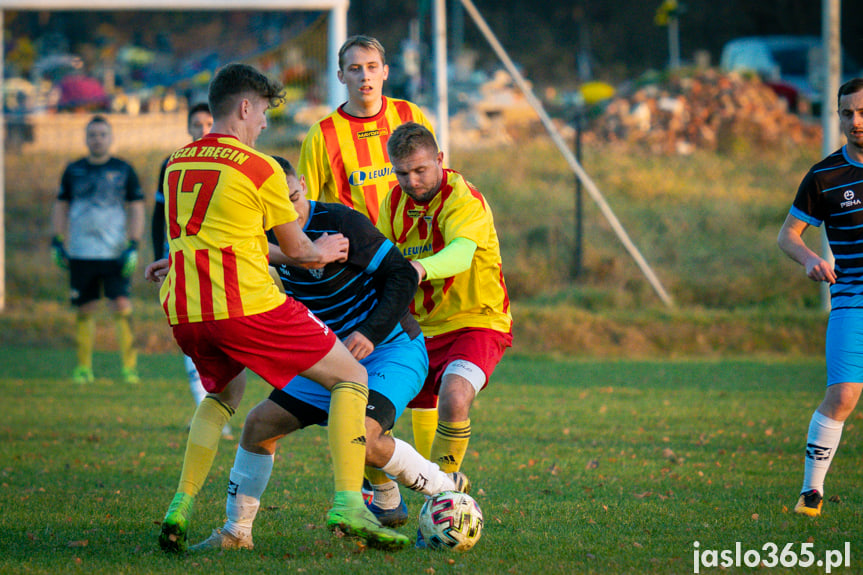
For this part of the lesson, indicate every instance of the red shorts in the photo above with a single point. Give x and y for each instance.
(480, 346)
(277, 345)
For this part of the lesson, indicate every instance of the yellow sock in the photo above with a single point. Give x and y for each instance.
(347, 434)
(203, 443)
(85, 326)
(424, 422)
(450, 444)
(376, 476)
(123, 322)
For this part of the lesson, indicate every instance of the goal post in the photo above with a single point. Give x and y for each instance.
(337, 34)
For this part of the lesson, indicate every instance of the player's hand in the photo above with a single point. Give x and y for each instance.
(359, 345)
(157, 270)
(418, 267)
(59, 253)
(129, 259)
(333, 248)
(820, 271)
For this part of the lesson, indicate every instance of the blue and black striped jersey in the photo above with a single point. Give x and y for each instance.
(832, 193)
(369, 293)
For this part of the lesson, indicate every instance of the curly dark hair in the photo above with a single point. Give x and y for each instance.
(236, 79)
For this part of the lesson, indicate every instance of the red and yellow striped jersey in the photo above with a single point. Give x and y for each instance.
(476, 297)
(345, 160)
(221, 196)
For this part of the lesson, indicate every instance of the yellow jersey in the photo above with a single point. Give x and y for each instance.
(345, 160)
(221, 196)
(476, 297)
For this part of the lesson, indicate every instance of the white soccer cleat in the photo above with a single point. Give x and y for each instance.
(221, 539)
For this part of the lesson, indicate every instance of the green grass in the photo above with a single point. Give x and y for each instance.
(579, 466)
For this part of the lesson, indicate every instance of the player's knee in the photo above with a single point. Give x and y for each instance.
(455, 400)
(378, 444)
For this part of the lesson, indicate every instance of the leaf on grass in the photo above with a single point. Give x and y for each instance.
(755, 517)
(643, 495)
(554, 468)
(79, 543)
(592, 464)
(834, 499)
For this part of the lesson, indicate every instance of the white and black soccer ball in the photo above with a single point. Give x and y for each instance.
(451, 520)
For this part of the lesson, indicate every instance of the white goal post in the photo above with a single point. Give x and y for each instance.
(338, 27)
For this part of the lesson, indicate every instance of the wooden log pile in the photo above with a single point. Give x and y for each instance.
(706, 110)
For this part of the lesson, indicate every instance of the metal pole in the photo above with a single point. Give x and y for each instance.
(2, 177)
(441, 81)
(673, 42)
(579, 231)
(338, 33)
(562, 146)
(830, 39)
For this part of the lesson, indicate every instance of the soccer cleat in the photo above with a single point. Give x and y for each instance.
(82, 375)
(809, 503)
(221, 539)
(395, 517)
(462, 483)
(421, 541)
(130, 375)
(175, 526)
(368, 491)
(360, 522)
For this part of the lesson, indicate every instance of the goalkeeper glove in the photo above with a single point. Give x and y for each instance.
(59, 253)
(129, 259)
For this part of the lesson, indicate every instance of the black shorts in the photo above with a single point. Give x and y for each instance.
(382, 409)
(87, 278)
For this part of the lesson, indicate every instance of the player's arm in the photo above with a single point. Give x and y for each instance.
(158, 227)
(310, 163)
(300, 250)
(455, 258)
(791, 242)
(60, 218)
(396, 283)
(158, 231)
(135, 227)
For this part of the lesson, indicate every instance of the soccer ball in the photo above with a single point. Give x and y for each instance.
(451, 520)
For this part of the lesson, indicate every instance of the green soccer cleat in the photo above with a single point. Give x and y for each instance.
(130, 375)
(809, 503)
(221, 539)
(360, 522)
(82, 375)
(175, 525)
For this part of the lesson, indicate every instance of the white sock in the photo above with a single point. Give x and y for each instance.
(198, 391)
(249, 478)
(386, 495)
(821, 444)
(416, 472)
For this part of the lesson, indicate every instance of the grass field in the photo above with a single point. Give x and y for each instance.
(579, 466)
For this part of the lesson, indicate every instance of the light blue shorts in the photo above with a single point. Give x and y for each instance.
(396, 370)
(844, 346)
